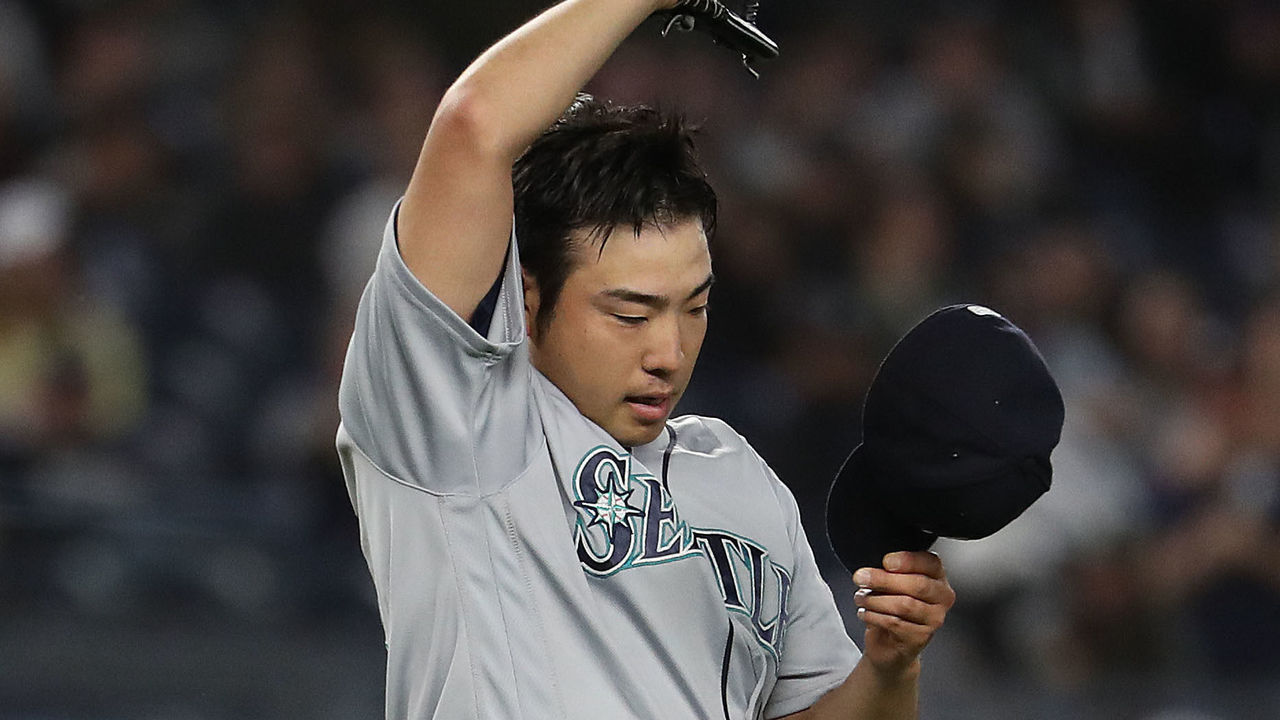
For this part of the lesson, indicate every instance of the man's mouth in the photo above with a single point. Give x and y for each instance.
(650, 408)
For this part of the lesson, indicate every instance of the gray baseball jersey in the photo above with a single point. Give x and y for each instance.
(527, 566)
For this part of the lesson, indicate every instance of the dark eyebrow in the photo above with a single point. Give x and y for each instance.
(657, 302)
(705, 286)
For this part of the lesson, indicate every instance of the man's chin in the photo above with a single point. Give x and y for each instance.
(634, 434)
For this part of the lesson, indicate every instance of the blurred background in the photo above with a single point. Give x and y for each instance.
(191, 198)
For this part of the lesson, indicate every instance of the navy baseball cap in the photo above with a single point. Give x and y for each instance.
(957, 429)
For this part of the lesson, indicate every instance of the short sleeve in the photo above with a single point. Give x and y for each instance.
(426, 397)
(816, 653)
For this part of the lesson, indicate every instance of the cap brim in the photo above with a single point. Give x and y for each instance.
(861, 530)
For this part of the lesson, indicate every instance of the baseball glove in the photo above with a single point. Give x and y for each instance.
(735, 31)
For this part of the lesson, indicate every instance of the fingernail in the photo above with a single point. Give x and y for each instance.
(862, 595)
(862, 613)
(862, 577)
(892, 562)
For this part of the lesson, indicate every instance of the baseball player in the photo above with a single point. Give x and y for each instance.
(545, 540)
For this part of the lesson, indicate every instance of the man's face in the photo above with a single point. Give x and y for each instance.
(627, 327)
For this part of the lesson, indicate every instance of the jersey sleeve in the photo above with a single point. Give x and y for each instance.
(426, 397)
(816, 652)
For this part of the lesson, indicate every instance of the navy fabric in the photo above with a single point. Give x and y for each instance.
(483, 316)
(958, 426)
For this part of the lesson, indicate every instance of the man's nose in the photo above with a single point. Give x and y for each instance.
(663, 350)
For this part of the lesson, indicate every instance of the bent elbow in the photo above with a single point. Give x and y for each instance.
(468, 122)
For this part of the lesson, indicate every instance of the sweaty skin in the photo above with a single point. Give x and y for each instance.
(627, 328)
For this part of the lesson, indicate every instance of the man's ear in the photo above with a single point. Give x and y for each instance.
(532, 300)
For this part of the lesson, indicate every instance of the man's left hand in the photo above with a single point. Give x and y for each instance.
(903, 605)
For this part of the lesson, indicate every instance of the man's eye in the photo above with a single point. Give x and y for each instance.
(629, 319)
(698, 311)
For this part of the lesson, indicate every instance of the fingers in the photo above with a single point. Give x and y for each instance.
(902, 607)
(910, 596)
(922, 563)
(907, 635)
(917, 575)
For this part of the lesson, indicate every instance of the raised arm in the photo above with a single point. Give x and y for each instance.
(455, 220)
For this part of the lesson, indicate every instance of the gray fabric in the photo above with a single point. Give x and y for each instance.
(528, 567)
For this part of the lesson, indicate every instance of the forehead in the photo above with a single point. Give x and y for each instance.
(660, 258)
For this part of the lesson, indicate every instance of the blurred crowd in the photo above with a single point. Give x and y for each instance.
(192, 194)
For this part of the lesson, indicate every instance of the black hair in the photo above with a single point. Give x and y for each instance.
(598, 168)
